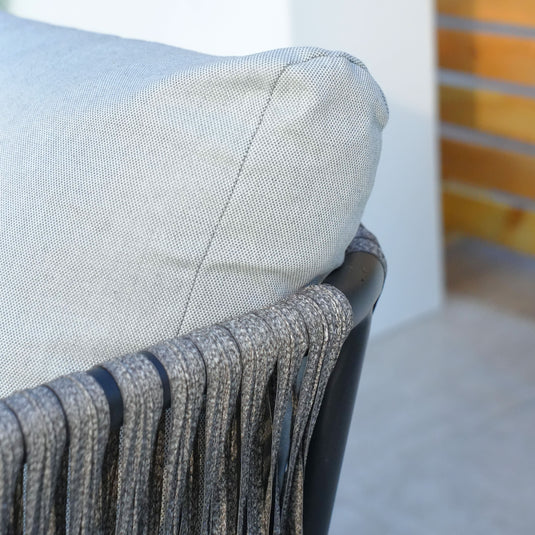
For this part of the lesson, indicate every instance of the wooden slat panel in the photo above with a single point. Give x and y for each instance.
(502, 57)
(486, 219)
(491, 168)
(516, 12)
(505, 115)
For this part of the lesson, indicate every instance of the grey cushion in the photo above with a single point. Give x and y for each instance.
(148, 190)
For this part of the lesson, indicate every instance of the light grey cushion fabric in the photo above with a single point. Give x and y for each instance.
(148, 190)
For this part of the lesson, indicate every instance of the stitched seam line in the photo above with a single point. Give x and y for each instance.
(242, 165)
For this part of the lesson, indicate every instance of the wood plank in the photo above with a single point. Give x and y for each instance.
(487, 219)
(515, 12)
(502, 57)
(505, 115)
(488, 167)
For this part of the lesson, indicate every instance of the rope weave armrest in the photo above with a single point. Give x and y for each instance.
(207, 464)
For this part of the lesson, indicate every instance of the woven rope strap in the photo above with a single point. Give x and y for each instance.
(87, 413)
(11, 459)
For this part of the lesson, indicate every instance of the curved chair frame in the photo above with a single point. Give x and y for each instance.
(361, 279)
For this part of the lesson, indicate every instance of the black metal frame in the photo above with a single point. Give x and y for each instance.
(361, 279)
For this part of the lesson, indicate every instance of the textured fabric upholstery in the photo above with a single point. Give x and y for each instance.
(147, 190)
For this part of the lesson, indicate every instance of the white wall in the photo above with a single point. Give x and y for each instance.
(226, 27)
(396, 41)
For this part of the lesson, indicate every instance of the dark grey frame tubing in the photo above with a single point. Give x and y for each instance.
(361, 278)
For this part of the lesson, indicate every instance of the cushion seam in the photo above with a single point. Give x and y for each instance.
(242, 165)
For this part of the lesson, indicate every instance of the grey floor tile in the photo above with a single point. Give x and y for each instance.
(443, 436)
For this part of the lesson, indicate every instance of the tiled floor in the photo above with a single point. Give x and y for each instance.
(443, 436)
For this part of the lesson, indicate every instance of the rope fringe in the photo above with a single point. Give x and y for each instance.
(227, 457)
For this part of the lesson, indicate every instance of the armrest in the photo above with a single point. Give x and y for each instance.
(361, 279)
